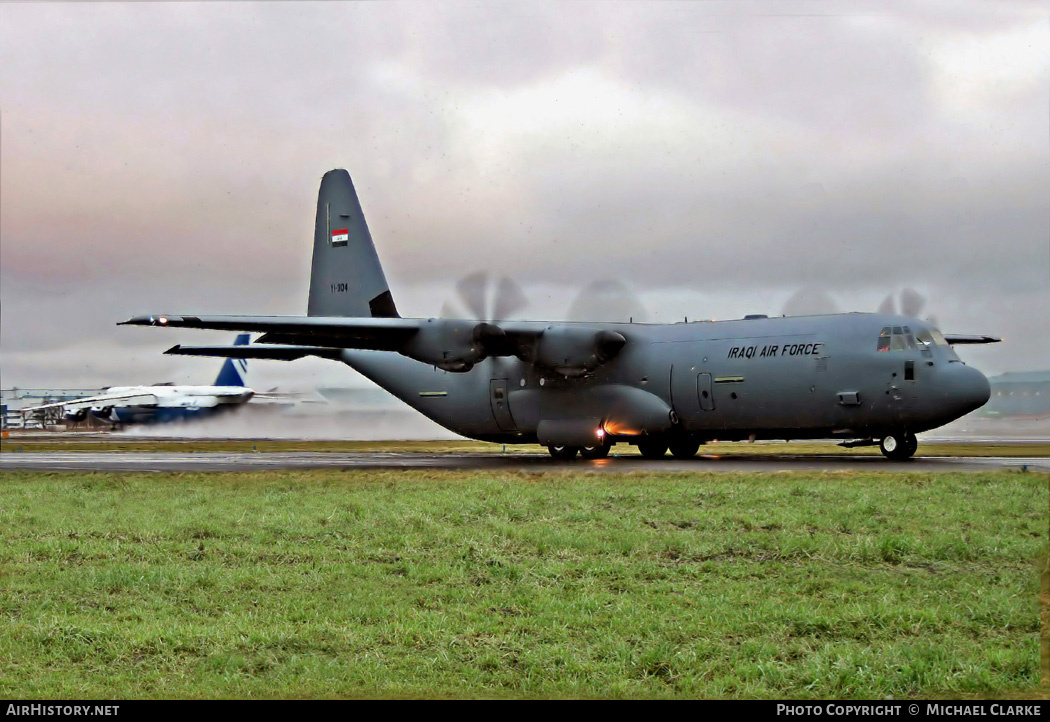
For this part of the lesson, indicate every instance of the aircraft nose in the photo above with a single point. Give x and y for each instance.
(971, 388)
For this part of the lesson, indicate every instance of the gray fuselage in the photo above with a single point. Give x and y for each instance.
(770, 378)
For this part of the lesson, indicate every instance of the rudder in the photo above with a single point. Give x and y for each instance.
(346, 278)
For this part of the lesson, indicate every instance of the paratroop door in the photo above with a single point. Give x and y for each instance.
(704, 393)
(500, 403)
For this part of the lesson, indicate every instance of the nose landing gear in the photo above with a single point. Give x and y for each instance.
(899, 446)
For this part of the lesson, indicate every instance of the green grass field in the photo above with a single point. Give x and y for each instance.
(351, 584)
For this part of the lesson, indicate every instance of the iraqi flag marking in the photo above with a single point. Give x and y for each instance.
(340, 237)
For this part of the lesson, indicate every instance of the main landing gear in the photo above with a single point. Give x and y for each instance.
(899, 446)
(652, 448)
(595, 452)
(684, 448)
(649, 448)
(656, 448)
(567, 453)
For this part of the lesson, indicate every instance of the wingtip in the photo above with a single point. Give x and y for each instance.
(137, 321)
(174, 349)
(155, 319)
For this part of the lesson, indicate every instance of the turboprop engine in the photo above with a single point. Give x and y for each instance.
(575, 351)
(456, 345)
(76, 416)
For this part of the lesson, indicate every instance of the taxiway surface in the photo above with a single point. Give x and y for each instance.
(259, 461)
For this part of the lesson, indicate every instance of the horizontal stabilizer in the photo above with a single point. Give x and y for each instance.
(378, 334)
(273, 352)
(957, 338)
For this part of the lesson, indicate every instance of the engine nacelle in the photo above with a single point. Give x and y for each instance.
(575, 351)
(455, 345)
(76, 416)
(102, 412)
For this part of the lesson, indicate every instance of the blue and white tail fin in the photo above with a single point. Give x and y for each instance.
(234, 370)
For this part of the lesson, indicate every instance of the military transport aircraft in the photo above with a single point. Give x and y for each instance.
(865, 378)
(122, 405)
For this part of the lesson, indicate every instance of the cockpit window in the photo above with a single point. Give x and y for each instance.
(899, 338)
(909, 340)
(925, 343)
(932, 336)
(884, 339)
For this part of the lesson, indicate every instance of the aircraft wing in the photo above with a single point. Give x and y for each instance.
(378, 334)
(276, 352)
(118, 400)
(450, 344)
(961, 338)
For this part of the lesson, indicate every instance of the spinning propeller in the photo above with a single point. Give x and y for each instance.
(911, 303)
(486, 299)
(607, 301)
(810, 301)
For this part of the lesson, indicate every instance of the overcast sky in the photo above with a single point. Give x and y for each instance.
(716, 157)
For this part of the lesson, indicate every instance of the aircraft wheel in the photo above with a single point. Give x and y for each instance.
(898, 447)
(563, 452)
(684, 448)
(652, 448)
(595, 452)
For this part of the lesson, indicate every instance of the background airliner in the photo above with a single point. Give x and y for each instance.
(160, 403)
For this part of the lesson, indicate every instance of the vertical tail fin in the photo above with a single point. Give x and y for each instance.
(234, 370)
(346, 278)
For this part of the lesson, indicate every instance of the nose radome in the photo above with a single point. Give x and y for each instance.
(973, 388)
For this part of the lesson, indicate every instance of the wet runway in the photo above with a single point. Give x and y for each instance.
(260, 461)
